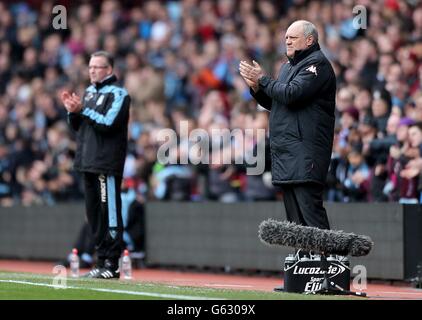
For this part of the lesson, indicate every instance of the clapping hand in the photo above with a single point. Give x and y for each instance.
(409, 173)
(251, 73)
(412, 169)
(72, 102)
(358, 178)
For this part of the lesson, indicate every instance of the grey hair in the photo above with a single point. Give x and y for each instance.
(105, 54)
(309, 29)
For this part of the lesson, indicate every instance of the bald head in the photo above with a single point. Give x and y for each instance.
(299, 36)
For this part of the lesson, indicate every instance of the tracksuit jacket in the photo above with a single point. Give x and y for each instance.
(102, 127)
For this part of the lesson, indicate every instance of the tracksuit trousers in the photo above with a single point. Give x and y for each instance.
(104, 213)
(304, 204)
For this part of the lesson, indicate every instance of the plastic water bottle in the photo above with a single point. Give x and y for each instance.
(74, 263)
(126, 265)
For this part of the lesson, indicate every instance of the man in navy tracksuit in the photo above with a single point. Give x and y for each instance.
(302, 104)
(100, 119)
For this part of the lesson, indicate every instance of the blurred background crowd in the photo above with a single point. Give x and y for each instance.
(179, 62)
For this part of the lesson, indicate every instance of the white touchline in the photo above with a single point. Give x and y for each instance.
(136, 293)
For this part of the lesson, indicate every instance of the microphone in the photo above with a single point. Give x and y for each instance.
(289, 234)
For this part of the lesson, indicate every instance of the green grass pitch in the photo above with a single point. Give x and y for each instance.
(27, 286)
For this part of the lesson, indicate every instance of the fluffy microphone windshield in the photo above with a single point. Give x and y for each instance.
(289, 234)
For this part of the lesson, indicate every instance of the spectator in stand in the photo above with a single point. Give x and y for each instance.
(380, 113)
(349, 119)
(395, 159)
(355, 185)
(344, 101)
(414, 166)
(259, 187)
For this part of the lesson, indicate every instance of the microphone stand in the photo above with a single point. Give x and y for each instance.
(329, 287)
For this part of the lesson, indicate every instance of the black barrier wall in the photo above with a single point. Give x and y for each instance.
(225, 235)
(412, 227)
(46, 233)
(221, 235)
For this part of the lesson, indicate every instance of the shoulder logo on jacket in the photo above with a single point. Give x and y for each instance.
(89, 96)
(312, 69)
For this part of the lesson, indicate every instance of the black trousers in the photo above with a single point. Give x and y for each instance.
(304, 204)
(104, 214)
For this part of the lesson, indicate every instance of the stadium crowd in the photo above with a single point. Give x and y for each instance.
(179, 61)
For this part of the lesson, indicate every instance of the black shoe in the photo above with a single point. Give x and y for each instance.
(110, 270)
(94, 271)
(92, 274)
(105, 273)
